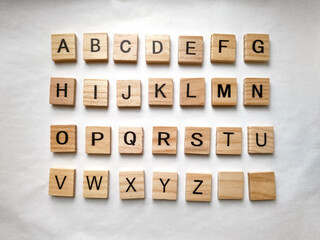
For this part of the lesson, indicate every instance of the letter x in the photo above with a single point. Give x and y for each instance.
(130, 184)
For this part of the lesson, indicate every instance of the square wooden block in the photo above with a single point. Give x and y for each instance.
(64, 47)
(229, 140)
(198, 187)
(125, 48)
(130, 140)
(95, 47)
(223, 48)
(262, 186)
(160, 91)
(62, 91)
(192, 92)
(62, 182)
(256, 48)
(197, 140)
(190, 50)
(128, 93)
(256, 91)
(158, 49)
(164, 140)
(260, 139)
(63, 138)
(224, 91)
(230, 185)
(131, 185)
(165, 185)
(95, 92)
(95, 184)
(98, 140)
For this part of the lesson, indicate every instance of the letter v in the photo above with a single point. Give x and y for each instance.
(64, 179)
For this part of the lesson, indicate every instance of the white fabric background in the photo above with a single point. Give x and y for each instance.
(27, 212)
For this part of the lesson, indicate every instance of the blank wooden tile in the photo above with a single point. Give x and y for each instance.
(157, 49)
(256, 48)
(64, 47)
(62, 91)
(197, 140)
(98, 140)
(160, 91)
(192, 92)
(164, 140)
(256, 91)
(230, 185)
(190, 50)
(262, 186)
(223, 48)
(128, 93)
(62, 182)
(95, 92)
(165, 185)
(63, 138)
(125, 48)
(95, 184)
(130, 140)
(95, 47)
(260, 139)
(229, 140)
(131, 185)
(198, 187)
(224, 91)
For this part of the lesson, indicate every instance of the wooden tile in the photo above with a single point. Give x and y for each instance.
(230, 185)
(131, 185)
(160, 91)
(229, 140)
(157, 49)
(95, 184)
(95, 47)
(190, 50)
(192, 92)
(223, 48)
(198, 187)
(62, 182)
(128, 93)
(130, 140)
(98, 140)
(262, 186)
(224, 91)
(197, 140)
(256, 47)
(62, 91)
(95, 92)
(164, 140)
(64, 47)
(125, 48)
(256, 92)
(63, 138)
(260, 139)
(165, 185)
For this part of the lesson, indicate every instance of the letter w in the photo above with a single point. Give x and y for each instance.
(94, 179)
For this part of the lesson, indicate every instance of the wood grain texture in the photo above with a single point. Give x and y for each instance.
(62, 182)
(224, 91)
(64, 47)
(160, 91)
(95, 92)
(165, 185)
(95, 47)
(192, 92)
(158, 49)
(129, 45)
(256, 48)
(197, 140)
(130, 140)
(260, 139)
(262, 186)
(198, 187)
(231, 147)
(164, 140)
(230, 185)
(67, 136)
(136, 191)
(190, 50)
(256, 92)
(62, 91)
(98, 140)
(95, 184)
(223, 48)
(128, 93)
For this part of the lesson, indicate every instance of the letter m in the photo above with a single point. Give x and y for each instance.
(225, 91)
